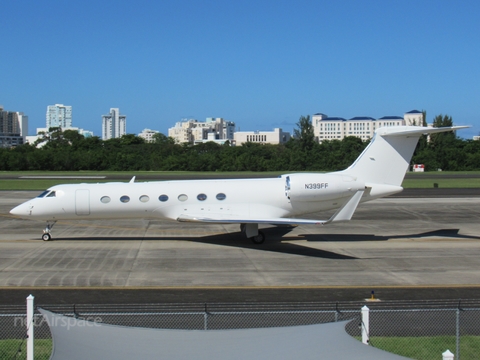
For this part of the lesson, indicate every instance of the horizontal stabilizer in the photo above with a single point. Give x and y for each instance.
(343, 214)
(415, 130)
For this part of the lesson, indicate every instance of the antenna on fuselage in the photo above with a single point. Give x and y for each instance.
(133, 180)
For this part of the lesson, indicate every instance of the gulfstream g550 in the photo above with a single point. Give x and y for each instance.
(377, 172)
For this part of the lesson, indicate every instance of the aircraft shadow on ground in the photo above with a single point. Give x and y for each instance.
(448, 233)
(274, 243)
(278, 240)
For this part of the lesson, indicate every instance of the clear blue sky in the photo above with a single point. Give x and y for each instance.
(261, 64)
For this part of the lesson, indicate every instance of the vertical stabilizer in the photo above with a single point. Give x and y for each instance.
(387, 157)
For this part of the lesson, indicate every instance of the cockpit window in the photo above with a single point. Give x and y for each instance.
(52, 194)
(43, 194)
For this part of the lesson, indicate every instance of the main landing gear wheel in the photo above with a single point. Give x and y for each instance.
(46, 237)
(259, 239)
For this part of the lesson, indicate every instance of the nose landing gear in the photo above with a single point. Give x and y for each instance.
(46, 233)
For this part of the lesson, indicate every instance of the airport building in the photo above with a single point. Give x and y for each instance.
(59, 115)
(363, 127)
(277, 136)
(193, 131)
(13, 128)
(114, 125)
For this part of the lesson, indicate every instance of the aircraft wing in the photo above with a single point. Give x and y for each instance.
(344, 213)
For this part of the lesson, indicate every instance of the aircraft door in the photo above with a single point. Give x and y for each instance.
(287, 187)
(82, 202)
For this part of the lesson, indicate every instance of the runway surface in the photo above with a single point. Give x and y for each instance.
(399, 247)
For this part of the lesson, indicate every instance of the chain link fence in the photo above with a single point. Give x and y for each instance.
(418, 330)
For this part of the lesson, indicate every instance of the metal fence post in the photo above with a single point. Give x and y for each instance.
(205, 318)
(30, 327)
(447, 355)
(459, 309)
(365, 324)
(458, 333)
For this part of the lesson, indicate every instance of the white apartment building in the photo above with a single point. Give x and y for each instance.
(114, 125)
(277, 136)
(59, 115)
(193, 131)
(148, 134)
(363, 127)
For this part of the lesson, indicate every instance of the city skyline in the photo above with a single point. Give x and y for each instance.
(261, 64)
(117, 126)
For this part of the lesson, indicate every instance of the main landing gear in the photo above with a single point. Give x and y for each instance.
(46, 233)
(251, 232)
(259, 239)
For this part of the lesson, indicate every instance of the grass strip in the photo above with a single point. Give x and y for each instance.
(42, 184)
(17, 349)
(428, 347)
(416, 181)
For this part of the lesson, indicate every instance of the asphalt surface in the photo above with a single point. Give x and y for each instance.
(401, 248)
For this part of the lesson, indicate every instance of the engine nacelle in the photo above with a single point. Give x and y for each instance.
(315, 187)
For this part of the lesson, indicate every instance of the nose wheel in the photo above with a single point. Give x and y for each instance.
(46, 233)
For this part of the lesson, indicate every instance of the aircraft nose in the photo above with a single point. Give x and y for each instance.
(21, 210)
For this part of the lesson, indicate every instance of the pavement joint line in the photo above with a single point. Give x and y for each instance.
(299, 287)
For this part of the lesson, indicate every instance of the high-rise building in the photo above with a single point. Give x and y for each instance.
(13, 128)
(114, 125)
(59, 115)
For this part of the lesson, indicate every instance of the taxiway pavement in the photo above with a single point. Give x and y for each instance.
(392, 243)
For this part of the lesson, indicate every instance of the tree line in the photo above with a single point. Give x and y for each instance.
(66, 150)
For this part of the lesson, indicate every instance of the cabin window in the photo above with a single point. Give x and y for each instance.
(144, 198)
(52, 194)
(163, 198)
(125, 199)
(202, 197)
(105, 199)
(221, 196)
(182, 197)
(43, 194)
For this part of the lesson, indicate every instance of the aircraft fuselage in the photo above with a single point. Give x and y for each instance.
(285, 196)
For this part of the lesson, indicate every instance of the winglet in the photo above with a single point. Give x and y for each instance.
(345, 213)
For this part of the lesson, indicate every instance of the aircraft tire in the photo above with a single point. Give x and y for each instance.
(46, 237)
(259, 239)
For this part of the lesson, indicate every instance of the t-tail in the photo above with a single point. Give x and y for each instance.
(384, 162)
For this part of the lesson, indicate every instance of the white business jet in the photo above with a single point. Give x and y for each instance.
(377, 172)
